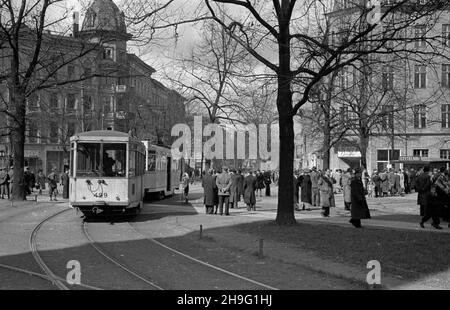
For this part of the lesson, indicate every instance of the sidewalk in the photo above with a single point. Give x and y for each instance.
(398, 215)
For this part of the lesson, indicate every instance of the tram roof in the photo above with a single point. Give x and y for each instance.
(105, 135)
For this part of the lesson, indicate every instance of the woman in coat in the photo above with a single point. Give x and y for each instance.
(249, 191)
(359, 208)
(346, 177)
(384, 182)
(326, 193)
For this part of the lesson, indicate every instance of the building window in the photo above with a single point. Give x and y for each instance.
(344, 114)
(108, 53)
(420, 152)
(106, 101)
(32, 131)
(420, 32)
(122, 104)
(445, 154)
(71, 102)
(343, 78)
(446, 76)
(387, 78)
(87, 103)
(54, 101)
(387, 120)
(445, 115)
(70, 72)
(420, 116)
(71, 130)
(446, 34)
(87, 76)
(420, 76)
(53, 134)
(32, 102)
(385, 156)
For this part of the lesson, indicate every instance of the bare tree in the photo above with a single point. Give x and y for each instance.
(282, 30)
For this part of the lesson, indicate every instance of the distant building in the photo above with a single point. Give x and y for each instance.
(120, 95)
(417, 123)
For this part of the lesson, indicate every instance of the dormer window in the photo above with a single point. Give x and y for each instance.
(108, 53)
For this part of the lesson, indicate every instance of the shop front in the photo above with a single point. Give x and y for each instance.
(417, 162)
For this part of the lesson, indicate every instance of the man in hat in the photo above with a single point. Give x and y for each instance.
(4, 183)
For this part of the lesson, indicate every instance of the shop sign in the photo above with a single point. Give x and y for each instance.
(349, 154)
(32, 153)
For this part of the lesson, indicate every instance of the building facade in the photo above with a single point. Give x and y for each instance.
(105, 87)
(413, 117)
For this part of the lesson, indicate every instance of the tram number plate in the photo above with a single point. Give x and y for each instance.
(101, 195)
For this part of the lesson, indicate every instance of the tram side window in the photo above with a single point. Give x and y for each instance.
(132, 170)
(141, 163)
(151, 161)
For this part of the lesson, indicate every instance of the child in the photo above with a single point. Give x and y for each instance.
(370, 188)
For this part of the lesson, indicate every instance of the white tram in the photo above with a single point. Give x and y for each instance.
(111, 172)
(162, 173)
(107, 174)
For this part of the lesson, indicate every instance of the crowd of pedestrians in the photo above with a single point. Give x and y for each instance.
(33, 182)
(317, 188)
(225, 188)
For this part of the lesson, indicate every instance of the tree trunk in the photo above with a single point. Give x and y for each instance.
(18, 144)
(363, 145)
(285, 210)
(326, 143)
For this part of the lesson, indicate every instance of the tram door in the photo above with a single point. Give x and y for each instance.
(169, 173)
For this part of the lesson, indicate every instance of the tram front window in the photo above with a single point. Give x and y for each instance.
(111, 163)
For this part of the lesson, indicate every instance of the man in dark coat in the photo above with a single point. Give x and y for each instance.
(27, 180)
(376, 180)
(407, 182)
(359, 209)
(306, 189)
(412, 179)
(267, 182)
(426, 200)
(209, 186)
(422, 185)
(240, 184)
(65, 184)
(249, 191)
(234, 194)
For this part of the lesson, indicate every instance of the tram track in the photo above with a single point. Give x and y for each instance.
(198, 261)
(49, 274)
(103, 253)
